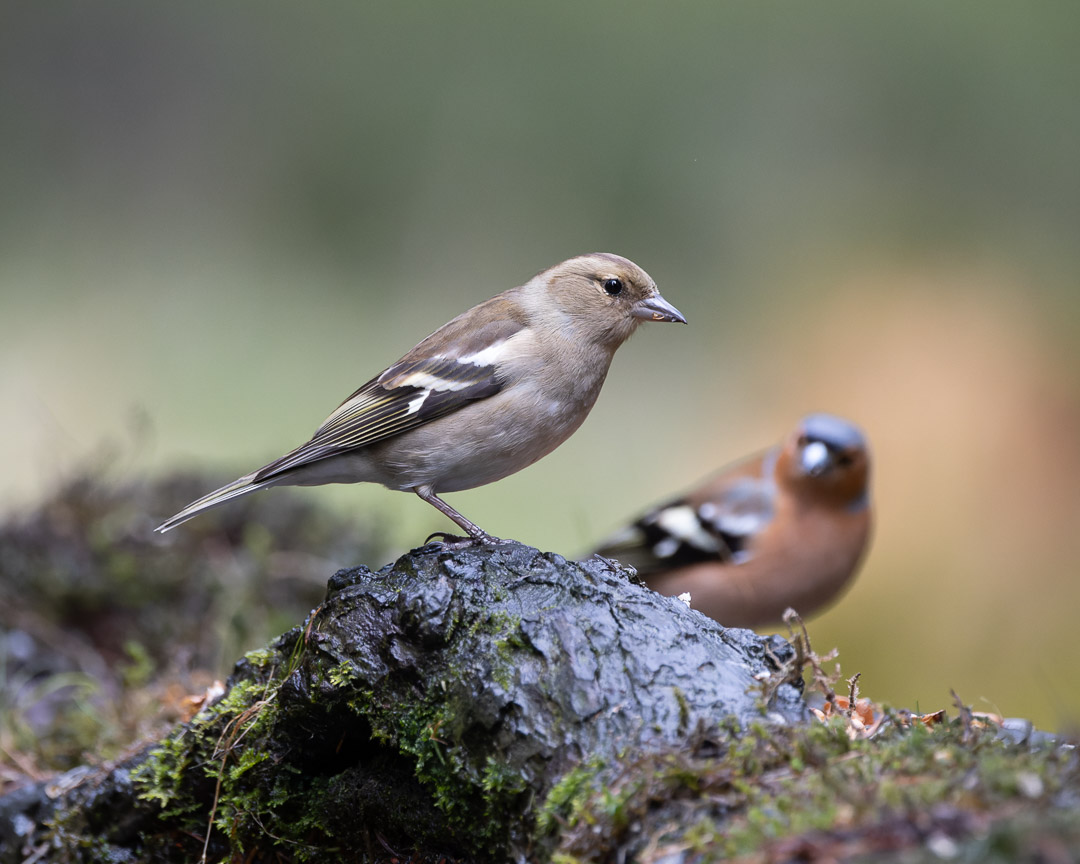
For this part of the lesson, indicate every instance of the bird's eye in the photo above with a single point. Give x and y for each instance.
(614, 287)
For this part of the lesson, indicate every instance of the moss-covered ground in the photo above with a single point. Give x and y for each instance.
(956, 789)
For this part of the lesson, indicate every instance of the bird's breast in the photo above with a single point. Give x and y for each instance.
(489, 439)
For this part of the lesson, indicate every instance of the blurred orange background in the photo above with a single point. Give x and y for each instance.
(220, 219)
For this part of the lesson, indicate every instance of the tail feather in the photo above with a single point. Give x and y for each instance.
(219, 496)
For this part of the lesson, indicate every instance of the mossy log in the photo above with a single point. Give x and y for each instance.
(446, 706)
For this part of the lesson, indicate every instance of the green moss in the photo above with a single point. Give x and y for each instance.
(225, 748)
(341, 674)
(498, 782)
(684, 710)
(477, 794)
(567, 801)
(476, 798)
(778, 782)
(160, 778)
(262, 658)
(246, 760)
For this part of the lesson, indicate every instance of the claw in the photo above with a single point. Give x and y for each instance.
(448, 539)
(456, 541)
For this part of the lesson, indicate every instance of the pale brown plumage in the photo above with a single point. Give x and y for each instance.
(485, 395)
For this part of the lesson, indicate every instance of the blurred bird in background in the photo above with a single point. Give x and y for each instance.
(785, 528)
(482, 397)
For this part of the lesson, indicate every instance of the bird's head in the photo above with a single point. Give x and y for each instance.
(828, 458)
(604, 297)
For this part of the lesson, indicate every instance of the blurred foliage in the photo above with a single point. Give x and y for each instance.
(225, 217)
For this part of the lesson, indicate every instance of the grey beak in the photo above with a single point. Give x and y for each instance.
(656, 308)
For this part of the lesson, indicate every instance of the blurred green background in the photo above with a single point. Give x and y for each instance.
(217, 220)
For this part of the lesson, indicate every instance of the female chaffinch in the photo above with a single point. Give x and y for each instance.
(485, 395)
(785, 528)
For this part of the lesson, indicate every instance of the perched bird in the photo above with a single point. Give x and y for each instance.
(787, 527)
(485, 395)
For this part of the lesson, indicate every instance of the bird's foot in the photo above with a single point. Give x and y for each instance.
(456, 541)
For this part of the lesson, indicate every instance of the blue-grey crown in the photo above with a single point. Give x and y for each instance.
(833, 431)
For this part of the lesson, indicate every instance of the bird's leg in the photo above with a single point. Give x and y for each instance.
(475, 532)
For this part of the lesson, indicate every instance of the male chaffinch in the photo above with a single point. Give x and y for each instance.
(485, 395)
(786, 527)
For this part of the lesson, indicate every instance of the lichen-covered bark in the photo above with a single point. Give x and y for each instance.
(432, 706)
